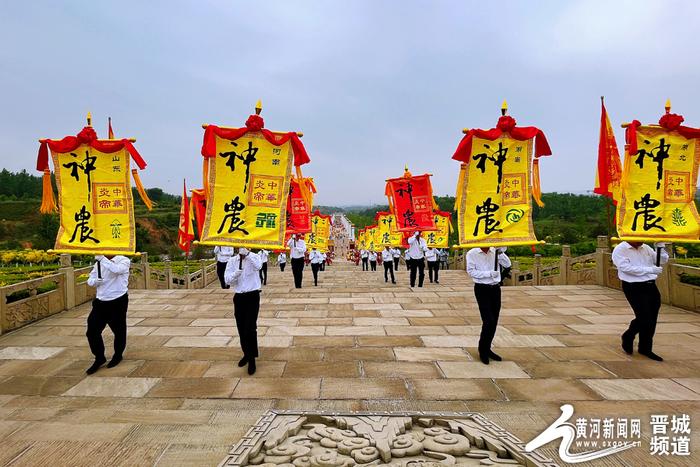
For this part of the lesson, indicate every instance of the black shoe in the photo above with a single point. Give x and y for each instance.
(494, 356)
(652, 355)
(251, 366)
(484, 358)
(242, 362)
(627, 346)
(96, 366)
(115, 361)
(437, 282)
(393, 282)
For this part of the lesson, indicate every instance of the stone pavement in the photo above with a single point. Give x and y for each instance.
(352, 344)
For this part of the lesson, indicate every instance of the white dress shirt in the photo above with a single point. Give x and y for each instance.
(396, 253)
(263, 255)
(297, 248)
(431, 255)
(416, 247)
(115, 277)
(372, 256)
(282, 258)
(223, 253)
(480, 266)
(324, 256)
(635, 264)
(387, 255)
(363, 254)
(246, 279)
(315, 257)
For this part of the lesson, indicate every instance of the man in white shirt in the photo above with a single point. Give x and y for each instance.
(388, 261)
(396, 256)
(481, 266)
(316, 258)
(433, 264)
(223, 254)
(243, 272)
(110, 276)
(364, 256)
(282, 260)
(323, 263)
(297, 251)
(416, 252)
(373, 260)
(637, 270)
(263, 271)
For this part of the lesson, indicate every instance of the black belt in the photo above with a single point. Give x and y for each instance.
(640, 282)
(477, 284)
(247, 293)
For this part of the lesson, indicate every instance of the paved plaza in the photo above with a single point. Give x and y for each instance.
(352, 344)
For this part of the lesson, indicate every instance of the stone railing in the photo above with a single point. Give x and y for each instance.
(38, 298)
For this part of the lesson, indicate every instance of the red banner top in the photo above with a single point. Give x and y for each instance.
(86, 136)
(329, 218)
(506, 124)
(669, 121)
(254, 123)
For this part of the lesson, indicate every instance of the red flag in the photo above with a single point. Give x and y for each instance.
(199, 206)
(298, 210)
(184, 233)
(411, 201)
(110, 132)
(609, 170)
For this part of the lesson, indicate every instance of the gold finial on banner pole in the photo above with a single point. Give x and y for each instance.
(504, 107)
(258, 107)
(668, 106)
(89, 118)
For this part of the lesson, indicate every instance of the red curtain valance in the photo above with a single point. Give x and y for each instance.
(86, 136)
(506, 124)
(254, 123)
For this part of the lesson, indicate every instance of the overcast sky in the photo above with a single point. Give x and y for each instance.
(372, 84)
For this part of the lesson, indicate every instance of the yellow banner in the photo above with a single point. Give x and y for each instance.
(95, 202)
(386, 230)
(658, 188)
(372, 238)
(440, 237)
(248, 187)
(494, 195)
(361, 243)
(320, 233)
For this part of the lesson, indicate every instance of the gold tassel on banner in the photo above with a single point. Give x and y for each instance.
(139, 187)
(302, 186)
(536, 190)
(205, 177)
(48, 201)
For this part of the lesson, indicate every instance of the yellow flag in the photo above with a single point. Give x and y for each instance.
(387, 233)
(320, 232)
(248, 186)
(440, 237)
(494, 195)
(658, 187)
(95, 202)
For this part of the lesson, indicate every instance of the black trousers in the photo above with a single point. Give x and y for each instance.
(417, 265)
(373, 265)
(245, 309)
(282, 265)
(645, 300)
(408, 264)
(365, 263)
(396, 264)
(323, 266)
(298, 271)
(220, 269)
(110, 313)
(489, 299)
(389, 269)
(433, 269)
(263, 273)
(315, 267)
